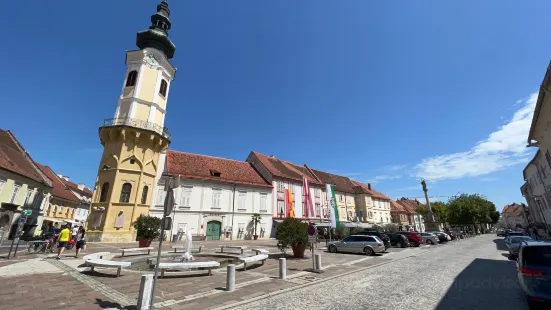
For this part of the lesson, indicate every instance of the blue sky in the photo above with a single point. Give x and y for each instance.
(383, 93)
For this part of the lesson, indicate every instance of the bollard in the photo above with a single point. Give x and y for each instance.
(146, 287)
(230, 278)
(282, 269)
(318, 262)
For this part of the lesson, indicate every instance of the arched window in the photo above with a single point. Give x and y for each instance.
(163, 88)
(144, 194)
(131, 79)
(104, 192)
(125, 192)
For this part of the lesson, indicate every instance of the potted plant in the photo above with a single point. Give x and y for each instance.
(292, 233)
(256, 220)
(147, 228)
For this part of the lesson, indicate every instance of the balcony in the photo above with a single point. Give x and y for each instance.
(137, 123)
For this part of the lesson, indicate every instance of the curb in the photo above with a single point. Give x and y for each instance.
(248, 301)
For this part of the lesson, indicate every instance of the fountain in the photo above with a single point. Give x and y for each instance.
(187, 257)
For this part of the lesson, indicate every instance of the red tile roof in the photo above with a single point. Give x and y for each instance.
(513, 209)
(201, 167)
(283, 169)
(60, 190)
(410, 206)
(14, 158)
(362, 188)
(72, 185)
(396, 207)
(342, 184)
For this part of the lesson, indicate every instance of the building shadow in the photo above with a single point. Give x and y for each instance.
(500, 245)
(485, 284)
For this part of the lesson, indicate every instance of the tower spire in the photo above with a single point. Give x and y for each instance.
(157, 34)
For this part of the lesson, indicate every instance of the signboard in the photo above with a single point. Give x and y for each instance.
(311, 230)
(167, 223)
(27, 212)
(312, 239)
(20, 226)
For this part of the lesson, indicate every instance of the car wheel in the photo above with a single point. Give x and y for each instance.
(430, 242)
(416, 244)
(369, 251)
(332, 249)
(403, 245)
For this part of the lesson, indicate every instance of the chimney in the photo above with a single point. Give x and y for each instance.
(272, 156)
(81, 187)
(369, 186)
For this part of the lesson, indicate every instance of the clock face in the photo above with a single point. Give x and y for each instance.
(151, 61)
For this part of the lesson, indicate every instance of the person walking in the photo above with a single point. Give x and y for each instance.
(74, 232)
(81, 240)
(62, 240)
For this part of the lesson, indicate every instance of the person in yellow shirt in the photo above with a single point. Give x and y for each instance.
(62, 240)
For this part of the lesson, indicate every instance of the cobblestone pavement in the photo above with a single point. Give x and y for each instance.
(470, 274)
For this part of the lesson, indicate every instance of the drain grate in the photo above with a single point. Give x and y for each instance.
(303, 280)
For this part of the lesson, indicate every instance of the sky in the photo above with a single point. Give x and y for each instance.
(384, 93)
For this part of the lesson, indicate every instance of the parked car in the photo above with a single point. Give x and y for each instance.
(414, 237)
(500, 232)
(534, 272)
(513, 243)
(513, 234)
(442, 236)
(429, 238)
(398, 240)
(358, 244)
(380, 235)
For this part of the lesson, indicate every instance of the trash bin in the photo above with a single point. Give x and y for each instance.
(174, 238)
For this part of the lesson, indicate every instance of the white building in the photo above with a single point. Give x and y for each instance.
(83, 193)
(381, 211)
(215, 198)
(416, 220)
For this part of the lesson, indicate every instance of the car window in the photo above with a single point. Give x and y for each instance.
(369, 239)
(536, 255)
(517, 240)
(348, 239)
(424, 234)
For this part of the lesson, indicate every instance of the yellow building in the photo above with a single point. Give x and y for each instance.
(364, 202)
(22, 187)
(135, 137)
(62, 205)
(344, 193)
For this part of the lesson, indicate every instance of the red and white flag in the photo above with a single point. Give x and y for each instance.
(308, 199)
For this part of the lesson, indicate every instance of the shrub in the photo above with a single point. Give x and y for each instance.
(147, 226)
(291, 232)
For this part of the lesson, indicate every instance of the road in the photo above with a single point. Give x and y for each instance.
(469, 274)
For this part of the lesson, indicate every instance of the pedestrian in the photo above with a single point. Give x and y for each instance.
(62, 240)
(74, 233)
(81, 240)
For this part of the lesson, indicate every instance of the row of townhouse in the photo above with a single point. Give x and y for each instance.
(405, 215)
(26, 185)
(216, 198)
(514, 216)
(537, 186)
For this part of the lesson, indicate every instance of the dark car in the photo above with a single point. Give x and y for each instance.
(382, 236)
(413, 237)
(534, 272)
(442, 237)
(398, 240)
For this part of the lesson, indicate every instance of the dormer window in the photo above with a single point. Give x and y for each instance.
(215, 173)
(163, 88)
(131, 79)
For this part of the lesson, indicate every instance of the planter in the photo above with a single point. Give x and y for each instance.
(298, 250)
(255, 237)
(144, 243)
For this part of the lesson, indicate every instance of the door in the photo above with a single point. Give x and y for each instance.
(213, 230)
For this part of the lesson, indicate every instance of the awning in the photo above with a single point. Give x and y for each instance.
(352, 224)
(322, 224)
(53, 219)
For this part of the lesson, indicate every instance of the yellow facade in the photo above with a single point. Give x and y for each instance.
(346, 203)
(364, 203)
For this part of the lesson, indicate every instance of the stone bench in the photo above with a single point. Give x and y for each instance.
(260, 251)
(98, 262)
(148, 249)
(252, 259)
(98, 255)
(239, 247)
(188, 265)
(181, 247)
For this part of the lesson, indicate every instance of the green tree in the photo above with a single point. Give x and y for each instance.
(470, 209)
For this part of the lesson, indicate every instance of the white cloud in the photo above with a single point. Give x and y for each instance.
(488, 179)
(503, 148)
(395, 167)
(381, 178)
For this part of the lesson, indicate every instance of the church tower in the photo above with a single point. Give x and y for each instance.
(133, 140)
